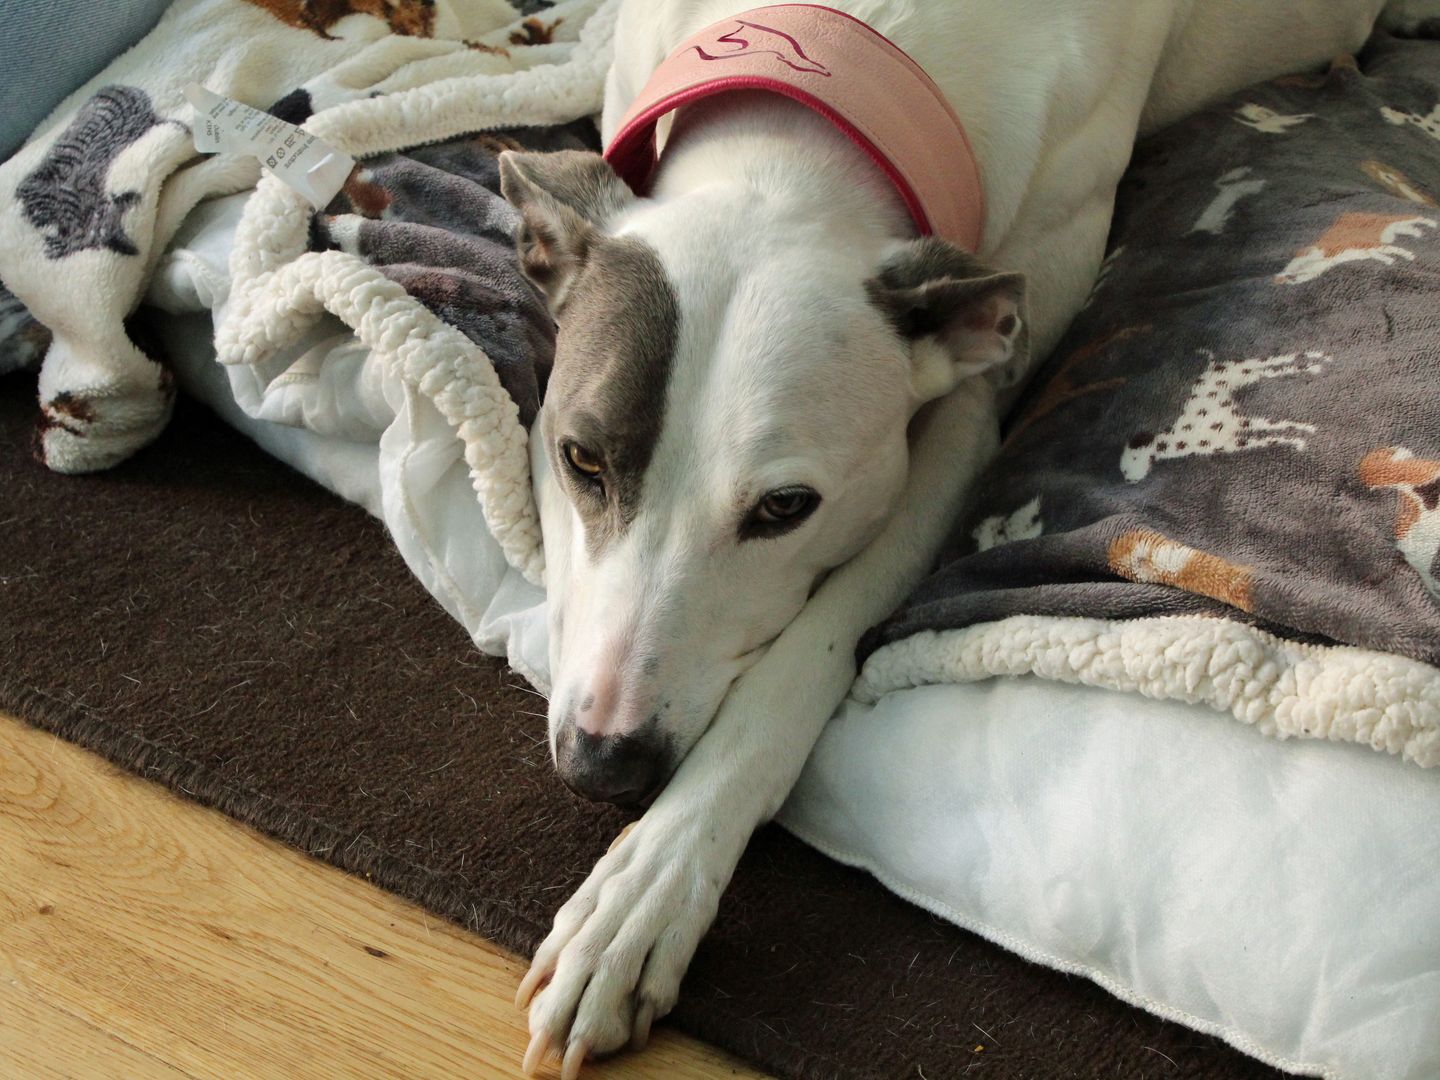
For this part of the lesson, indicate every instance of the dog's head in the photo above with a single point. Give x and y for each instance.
(725, 422)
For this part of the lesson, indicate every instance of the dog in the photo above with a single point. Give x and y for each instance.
(1417, 518)
(770, 397)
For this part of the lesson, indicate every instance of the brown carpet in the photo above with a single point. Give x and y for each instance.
(206, 617)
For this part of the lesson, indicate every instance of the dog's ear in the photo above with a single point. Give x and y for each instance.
(564, 199)
(961, 316)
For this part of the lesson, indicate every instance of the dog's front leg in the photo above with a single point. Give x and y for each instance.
(621, 944)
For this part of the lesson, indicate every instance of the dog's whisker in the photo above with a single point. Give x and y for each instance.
(528, 690)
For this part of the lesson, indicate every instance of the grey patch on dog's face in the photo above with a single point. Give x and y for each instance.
(607, 392)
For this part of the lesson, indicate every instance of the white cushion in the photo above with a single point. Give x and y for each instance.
(1284, 896)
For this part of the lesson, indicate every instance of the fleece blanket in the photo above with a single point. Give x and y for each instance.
(1225, 486)
(432, 221)
(449, 346)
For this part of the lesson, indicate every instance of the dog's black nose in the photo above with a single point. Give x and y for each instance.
(620, 769)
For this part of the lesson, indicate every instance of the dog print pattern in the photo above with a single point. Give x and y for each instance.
(1146, 556)
(1023, 524)
(1212, 422)
(1417, 523)
(1232, 187)
(1429, 123)
(1267, 121)
(412, 18)
(66, 198)
(1396, 182)
(1355, 237)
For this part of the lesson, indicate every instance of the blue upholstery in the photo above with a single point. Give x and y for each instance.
(51, 47)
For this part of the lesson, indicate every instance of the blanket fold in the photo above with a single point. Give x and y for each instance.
(89, 204)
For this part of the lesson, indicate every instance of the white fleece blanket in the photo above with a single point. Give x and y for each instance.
(92, 202)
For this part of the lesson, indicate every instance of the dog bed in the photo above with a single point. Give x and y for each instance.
(1146, 890)
(208, 618)
(377, 420)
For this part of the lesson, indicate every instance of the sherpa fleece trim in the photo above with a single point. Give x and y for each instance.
(279, 288)
(1283, 688)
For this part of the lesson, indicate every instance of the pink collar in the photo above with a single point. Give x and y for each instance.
(853, 76)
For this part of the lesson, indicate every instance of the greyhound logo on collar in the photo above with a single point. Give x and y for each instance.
(868, 88)
(787, 50)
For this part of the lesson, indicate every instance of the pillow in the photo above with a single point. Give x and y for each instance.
(1281, 896)
(50, 49)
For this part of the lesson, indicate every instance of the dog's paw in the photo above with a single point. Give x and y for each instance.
(613, 963)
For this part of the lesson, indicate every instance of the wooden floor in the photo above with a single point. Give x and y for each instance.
(142, 936)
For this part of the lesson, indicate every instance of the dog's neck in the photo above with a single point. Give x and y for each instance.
(795, 161)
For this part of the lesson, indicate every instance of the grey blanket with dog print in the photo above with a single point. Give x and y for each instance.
(432, 220)
(1229, 470)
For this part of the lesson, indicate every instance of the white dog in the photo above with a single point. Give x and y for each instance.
(765, 411)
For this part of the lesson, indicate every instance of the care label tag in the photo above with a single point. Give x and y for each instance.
(302, 160)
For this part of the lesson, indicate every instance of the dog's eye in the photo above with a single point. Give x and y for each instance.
(784, 505)
(780, 511)
(586, 464)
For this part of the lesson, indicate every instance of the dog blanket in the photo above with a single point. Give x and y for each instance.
(432, 221)
(1225, 485)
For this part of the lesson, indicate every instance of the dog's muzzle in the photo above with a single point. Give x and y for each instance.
(622, 769)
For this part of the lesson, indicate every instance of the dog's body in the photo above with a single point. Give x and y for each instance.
(736, 333)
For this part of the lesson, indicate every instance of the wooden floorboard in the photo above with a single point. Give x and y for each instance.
(41, 1042)
(143, 936)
